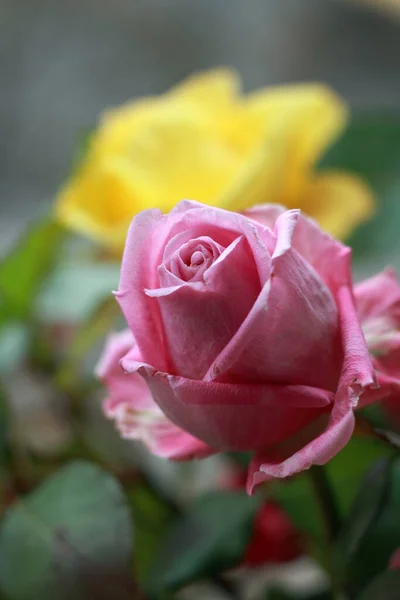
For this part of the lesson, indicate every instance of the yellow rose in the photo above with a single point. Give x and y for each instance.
(204, 140)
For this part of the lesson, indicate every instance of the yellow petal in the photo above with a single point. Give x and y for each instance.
(216, 88)
(338, 201)
(285, 131)
(99, 201)
(314, 116)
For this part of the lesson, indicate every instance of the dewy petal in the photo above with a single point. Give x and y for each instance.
(338, 201)
(357, 377)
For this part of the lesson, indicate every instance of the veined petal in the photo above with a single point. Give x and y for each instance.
(233, 416)
(357, 377)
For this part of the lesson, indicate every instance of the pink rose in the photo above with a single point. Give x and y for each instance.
(246, 334)
(137, 415)
(378, 307)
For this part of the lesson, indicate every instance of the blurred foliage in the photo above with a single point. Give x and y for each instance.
(375, 523)
(73, 535)
(345, 471)
(209, 538)
(386, 586)
(23, 271)
(152, 517)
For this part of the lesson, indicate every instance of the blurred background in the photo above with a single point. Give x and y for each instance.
(62, 62)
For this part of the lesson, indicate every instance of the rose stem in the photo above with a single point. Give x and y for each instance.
(326, 501)
(331, 516)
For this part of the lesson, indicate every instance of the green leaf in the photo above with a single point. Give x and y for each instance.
(71, 538)
(345, 472)
(382, 534)
(152, 518)
(210, 537)
(384, 587)
(366, 507)
(24, 269)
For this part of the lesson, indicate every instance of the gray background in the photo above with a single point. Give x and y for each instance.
(63, 61)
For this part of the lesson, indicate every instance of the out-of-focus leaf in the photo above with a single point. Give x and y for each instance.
(371, 148)
(24, 269)
(210, 537)
(75, 365)
(75, 290)
(152, 518)
(345, 472)
(278, 594)
(366, 507)
(14, 345)
(71, 538)
(382, 535)
(384, 587)
(376, 416)
(3, 427)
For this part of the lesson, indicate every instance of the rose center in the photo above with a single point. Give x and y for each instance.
(197, 258)
(190, 260)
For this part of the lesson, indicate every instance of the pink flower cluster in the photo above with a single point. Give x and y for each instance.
(246, 334)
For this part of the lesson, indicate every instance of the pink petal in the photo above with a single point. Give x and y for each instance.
(200, 318)
(233, 416)
(131, 405)
(290, 334)
(330, 258)
(149, 230)
(120, 387)
(357, 376)
(378, 296)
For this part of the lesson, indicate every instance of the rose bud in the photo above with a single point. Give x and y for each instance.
(246, 332)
